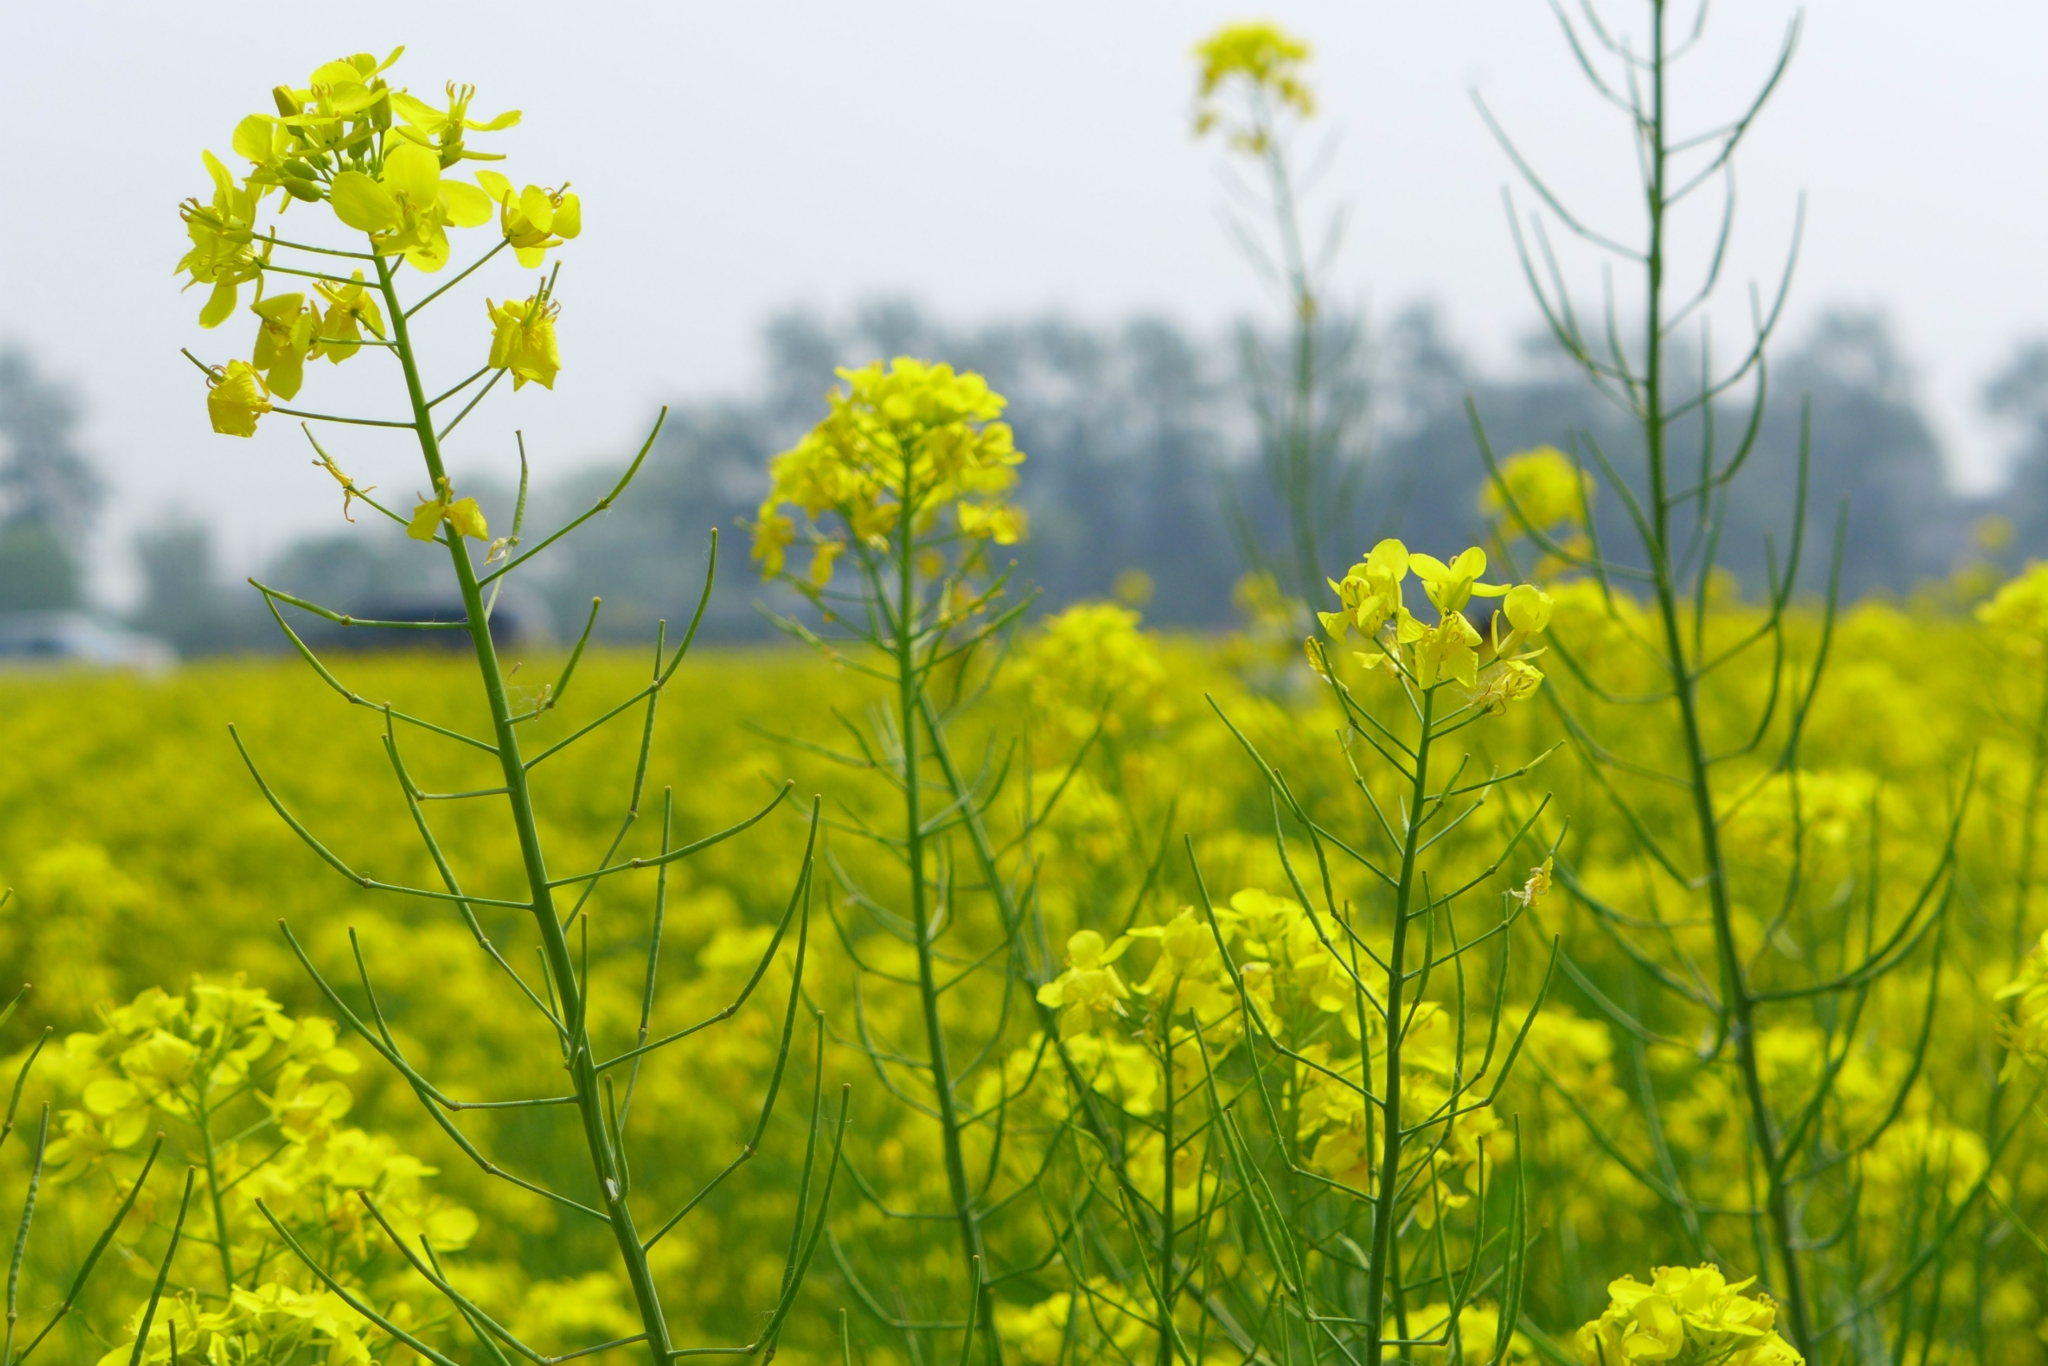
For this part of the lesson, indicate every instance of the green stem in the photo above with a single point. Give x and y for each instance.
(910, 698)
(1167, 1271)
(569, 987)
(214, 1193)
(1297, 452)
(2023, 876)
(1390, 1096)
(1738, 1003)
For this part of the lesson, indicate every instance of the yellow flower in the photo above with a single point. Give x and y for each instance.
(1451, 586)
(1371, 591)
(441, 131)
(222, 233)
(822, 555)
(524, 340)
(408, 206)
(533, 219)
(1687, 1315)
(463, 514)
(2020, 607)
(1528, 608)
(1265, 60)
(907, 435)
(1449, 649)
(1545, 487)
(1089, 987)
(1532, 891)
(286, 333)
(1001, 523)
(773, 535)
(235, 398)
(1510, 680)
(350, 308)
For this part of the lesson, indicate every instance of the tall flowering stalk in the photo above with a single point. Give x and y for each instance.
(1308, 394)
(1291, 1106)
(387, 170)
(907, 481)
(1375, 1093)
(1775, 948)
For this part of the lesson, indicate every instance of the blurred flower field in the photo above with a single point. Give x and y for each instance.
(146, 862)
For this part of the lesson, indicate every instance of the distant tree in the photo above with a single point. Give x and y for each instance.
(1871, 445)
(184, 598)
(48, 492)
(2019, 395)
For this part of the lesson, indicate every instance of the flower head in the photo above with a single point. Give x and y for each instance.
(909, 436)
(407, 206)
(523, 339)
(1451, 586)
(1090, 986)
(1690, 1316)
(1542, 488)
(462, 514)
(441, 131)
(223, 234)
(286, 333)
(1371, 591)
(235, 398)
(533, 219)
(350, 308)
(1263, 62)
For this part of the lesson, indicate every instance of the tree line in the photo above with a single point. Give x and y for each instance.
(1142, 455)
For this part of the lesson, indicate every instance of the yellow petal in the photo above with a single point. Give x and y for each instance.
(426, 520)
(413, 109)
(496, 186)
(467, 518)
(568, 216)
(413, 172)
(467, 206)
(1429, 567)
(361, 203)
(220, 305)
(538, 208)
(252, 139)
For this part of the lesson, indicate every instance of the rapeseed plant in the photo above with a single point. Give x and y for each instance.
(388, 166)
(1308, 394)
(1731, 935)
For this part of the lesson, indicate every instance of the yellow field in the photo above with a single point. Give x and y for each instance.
(144, 855)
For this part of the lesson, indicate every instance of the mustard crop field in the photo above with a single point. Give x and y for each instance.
(152, 876)
(1558, 947)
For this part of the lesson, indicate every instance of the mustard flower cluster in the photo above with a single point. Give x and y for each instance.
(269, 1323)
(901, 445)
(380, 159)
(1448, 650)
(1261, 63)
(1542, 487)
(2018, 611)
(1689, 1316)
(189, 1066)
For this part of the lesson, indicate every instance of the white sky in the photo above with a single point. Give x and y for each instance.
(984, 159)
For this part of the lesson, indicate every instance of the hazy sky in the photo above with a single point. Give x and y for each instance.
(985, 159)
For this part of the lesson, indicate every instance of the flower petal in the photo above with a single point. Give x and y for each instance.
(361, 203)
